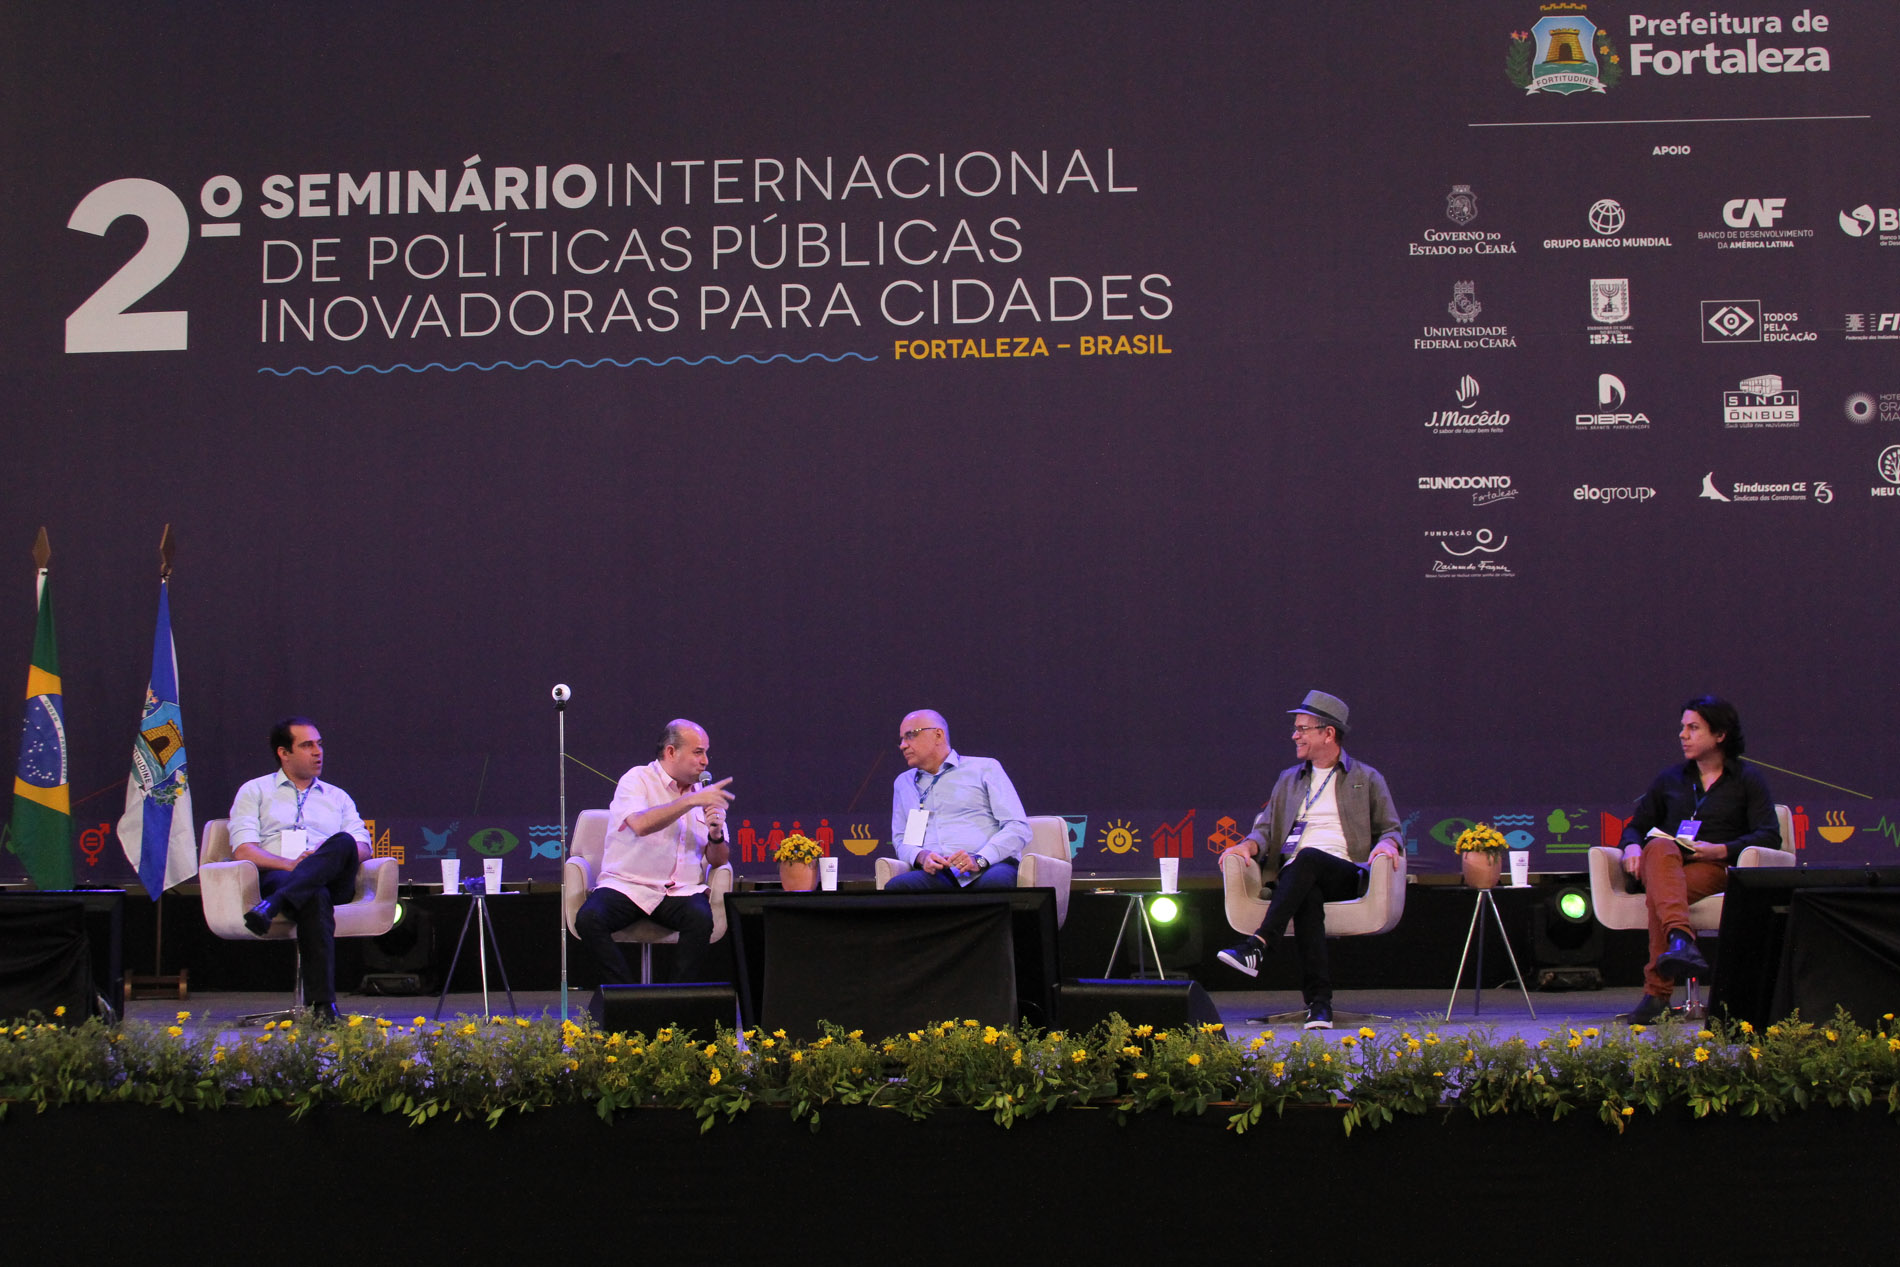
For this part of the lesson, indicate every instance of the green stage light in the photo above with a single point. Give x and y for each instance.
(402, 909)
(1574, 904)
(1164, 910)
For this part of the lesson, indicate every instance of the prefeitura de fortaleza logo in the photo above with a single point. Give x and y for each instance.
(1563, 52)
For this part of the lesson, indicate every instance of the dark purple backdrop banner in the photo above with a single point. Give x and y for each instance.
(1104, 376)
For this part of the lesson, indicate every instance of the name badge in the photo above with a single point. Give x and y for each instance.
(1293, 835)
(292, 841)
(1689, 827)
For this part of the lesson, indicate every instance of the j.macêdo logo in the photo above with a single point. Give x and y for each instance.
(1563, 52)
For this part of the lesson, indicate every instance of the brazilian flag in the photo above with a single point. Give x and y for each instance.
(42, 829)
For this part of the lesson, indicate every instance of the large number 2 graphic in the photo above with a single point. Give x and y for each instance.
(102, 324)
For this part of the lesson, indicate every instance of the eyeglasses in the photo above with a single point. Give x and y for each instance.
(909, 735)
(1300, 730)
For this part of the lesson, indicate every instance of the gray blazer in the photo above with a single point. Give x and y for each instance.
(1365, 812)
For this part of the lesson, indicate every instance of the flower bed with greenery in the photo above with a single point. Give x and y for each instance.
(469, 1069)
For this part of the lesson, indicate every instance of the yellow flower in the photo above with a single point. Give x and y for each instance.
(1139, 1075)
(712, 1049)
(175, 1030)
(421, 1021)
(1366, 1031)
(1593, 1032)
(1267, 1034)
(356, 1022)
(915, 1037)
(1893, 1044)
(269, 1025)
(1131, 1051)
(969, 1024)
(1211, 1027)
(1349, 1041)
(1142, 1031)
(1327, 1058)
(1701, 1054)
(1832, 1037)
(990, 1035)
(1629, 1110)
(521, 1022)
(771, 1042)
(1574, 1043)
(712, 1079)
(467, 1029)
(573, 1066)
(1755, 1052)
(217, 1056)
(1637, 1029)
(1412, 1045)
(777, 1033)
(1279, 1068)
(855, 1034)
(1195, 1059)
(1257, 1043)
(614, 1060)
(1705, 1033)
(797, 1056)
(1078, 1055)
(263, 1038)
(1016, 1057)
(60, 1011)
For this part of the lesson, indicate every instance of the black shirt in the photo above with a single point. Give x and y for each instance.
(1738, 811)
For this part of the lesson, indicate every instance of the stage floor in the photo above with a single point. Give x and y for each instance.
(1504, 1012)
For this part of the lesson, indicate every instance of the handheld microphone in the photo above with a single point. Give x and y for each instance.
(717, 831)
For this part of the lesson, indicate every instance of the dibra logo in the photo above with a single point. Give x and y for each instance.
(1563, 52)
(1610, 390)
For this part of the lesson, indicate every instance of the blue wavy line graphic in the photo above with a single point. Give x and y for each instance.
(586, 365)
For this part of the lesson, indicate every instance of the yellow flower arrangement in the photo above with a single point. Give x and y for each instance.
(798, 847)
(1481, 838)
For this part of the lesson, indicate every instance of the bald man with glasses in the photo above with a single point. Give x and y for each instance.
(977, 828)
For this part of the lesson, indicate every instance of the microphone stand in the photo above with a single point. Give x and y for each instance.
(561, 695)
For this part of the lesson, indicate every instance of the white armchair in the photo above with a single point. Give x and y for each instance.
(229, 887)
(1044, 863)
(1617, 907)
(582, 871)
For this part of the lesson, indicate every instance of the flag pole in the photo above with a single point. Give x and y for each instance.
(561, 696)
(159, 981)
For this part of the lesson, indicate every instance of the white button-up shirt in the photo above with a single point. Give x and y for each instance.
(670, 862)
(265, 806)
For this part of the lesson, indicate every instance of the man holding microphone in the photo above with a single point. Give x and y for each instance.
(665, 832)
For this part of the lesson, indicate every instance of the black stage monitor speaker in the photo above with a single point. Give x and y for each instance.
(1162, 1004)
(696, 1006)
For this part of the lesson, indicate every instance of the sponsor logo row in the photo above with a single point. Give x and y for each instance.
(1757, 223)
(1610, 306)
(1489, 489)
(1760, 402)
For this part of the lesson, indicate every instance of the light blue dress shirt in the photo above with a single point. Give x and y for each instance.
(268, 804)
(973, 806)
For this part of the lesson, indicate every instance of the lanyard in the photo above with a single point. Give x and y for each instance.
(1308, 807)
(301, 797)
(1701, 795)
(923, 792)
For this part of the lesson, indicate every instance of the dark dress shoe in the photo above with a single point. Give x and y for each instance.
(1682, 958)
(324, 1016)
(258, 918)
(1652, 1009)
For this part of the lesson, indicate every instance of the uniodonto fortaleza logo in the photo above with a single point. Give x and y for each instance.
(1563, 52)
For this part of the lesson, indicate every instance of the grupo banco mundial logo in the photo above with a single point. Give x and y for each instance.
(1563, 52)
(1468, 552)
(1466, 420)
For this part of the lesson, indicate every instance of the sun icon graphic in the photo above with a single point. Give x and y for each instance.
(1119, 837)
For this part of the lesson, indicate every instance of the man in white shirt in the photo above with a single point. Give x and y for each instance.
(664, 833)
(1325, 815)
(307, 841)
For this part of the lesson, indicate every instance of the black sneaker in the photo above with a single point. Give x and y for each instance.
(1245, 957)
(1319, 1016)
(1652, 1009)
(1682, 958)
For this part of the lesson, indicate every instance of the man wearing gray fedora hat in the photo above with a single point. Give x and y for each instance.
(1328, 816)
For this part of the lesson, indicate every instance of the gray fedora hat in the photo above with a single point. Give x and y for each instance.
(1326, 707)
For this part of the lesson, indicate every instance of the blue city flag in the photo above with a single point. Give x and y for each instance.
(156, 830)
